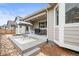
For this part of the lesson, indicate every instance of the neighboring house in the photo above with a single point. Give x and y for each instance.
(21, 26)
(11, 25)
(59, 22)
(4, 26)
(0, 27)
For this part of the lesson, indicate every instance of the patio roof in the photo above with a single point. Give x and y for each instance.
(40, 12)
(24, 23)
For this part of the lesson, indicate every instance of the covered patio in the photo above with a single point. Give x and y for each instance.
(39, 21)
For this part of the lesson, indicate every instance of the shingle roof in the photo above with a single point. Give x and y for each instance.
(10, 22)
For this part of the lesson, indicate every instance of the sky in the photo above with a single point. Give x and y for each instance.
(8, 11)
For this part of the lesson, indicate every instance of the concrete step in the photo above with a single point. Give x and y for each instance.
(38, 37)
(33, 52)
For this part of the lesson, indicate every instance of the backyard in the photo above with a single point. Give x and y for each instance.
(7, 31)
(9, 49)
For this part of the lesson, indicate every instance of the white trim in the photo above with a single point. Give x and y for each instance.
(57, 6)
(23, 22)
(61, 22)
(43, 24)
(43, 28)
(36, 16)
(58, 43)
(47, 22)
(55, 26)
(43, 20)
(71, 24)
(75, 48)
(71, 47)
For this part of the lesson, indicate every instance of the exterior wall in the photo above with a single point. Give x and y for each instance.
(56, 32)
(36, 23)
(20, 30)
(61, 22)
(3, 27)
(50, 24)
(10, 25)
(56, 25)
(11, 28)
(71, 35)
(59, 29)
(68, 33)
(17, 29)
(71, 29)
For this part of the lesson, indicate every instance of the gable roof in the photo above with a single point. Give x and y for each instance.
(18, 17)
(10, 22)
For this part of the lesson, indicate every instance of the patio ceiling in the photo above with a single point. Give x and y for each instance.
(38, 17)
(40, 13)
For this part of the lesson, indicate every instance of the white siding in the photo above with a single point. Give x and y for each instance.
(20, 30)
(71, 35)
(50, 25)
(57, 33)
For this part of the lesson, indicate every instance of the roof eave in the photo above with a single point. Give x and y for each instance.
(40, 11)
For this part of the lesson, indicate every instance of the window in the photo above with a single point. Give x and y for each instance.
(43, 24)
(26, 28)
(72, 12)
(12, 25)
(57, 15)
(20, 26)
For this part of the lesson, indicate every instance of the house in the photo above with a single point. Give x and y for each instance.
(63, 25)
(0, 27)
(39, 22)
(11, 25)
(21, 26)
(59, 22)
(4, 26)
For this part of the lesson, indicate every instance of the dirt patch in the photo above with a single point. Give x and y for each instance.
(7, 47)
(6, 31)
(54, 50)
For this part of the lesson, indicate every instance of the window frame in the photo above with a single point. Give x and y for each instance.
(56, 19)
(43, 24)
(20, 26)
(69, 23)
